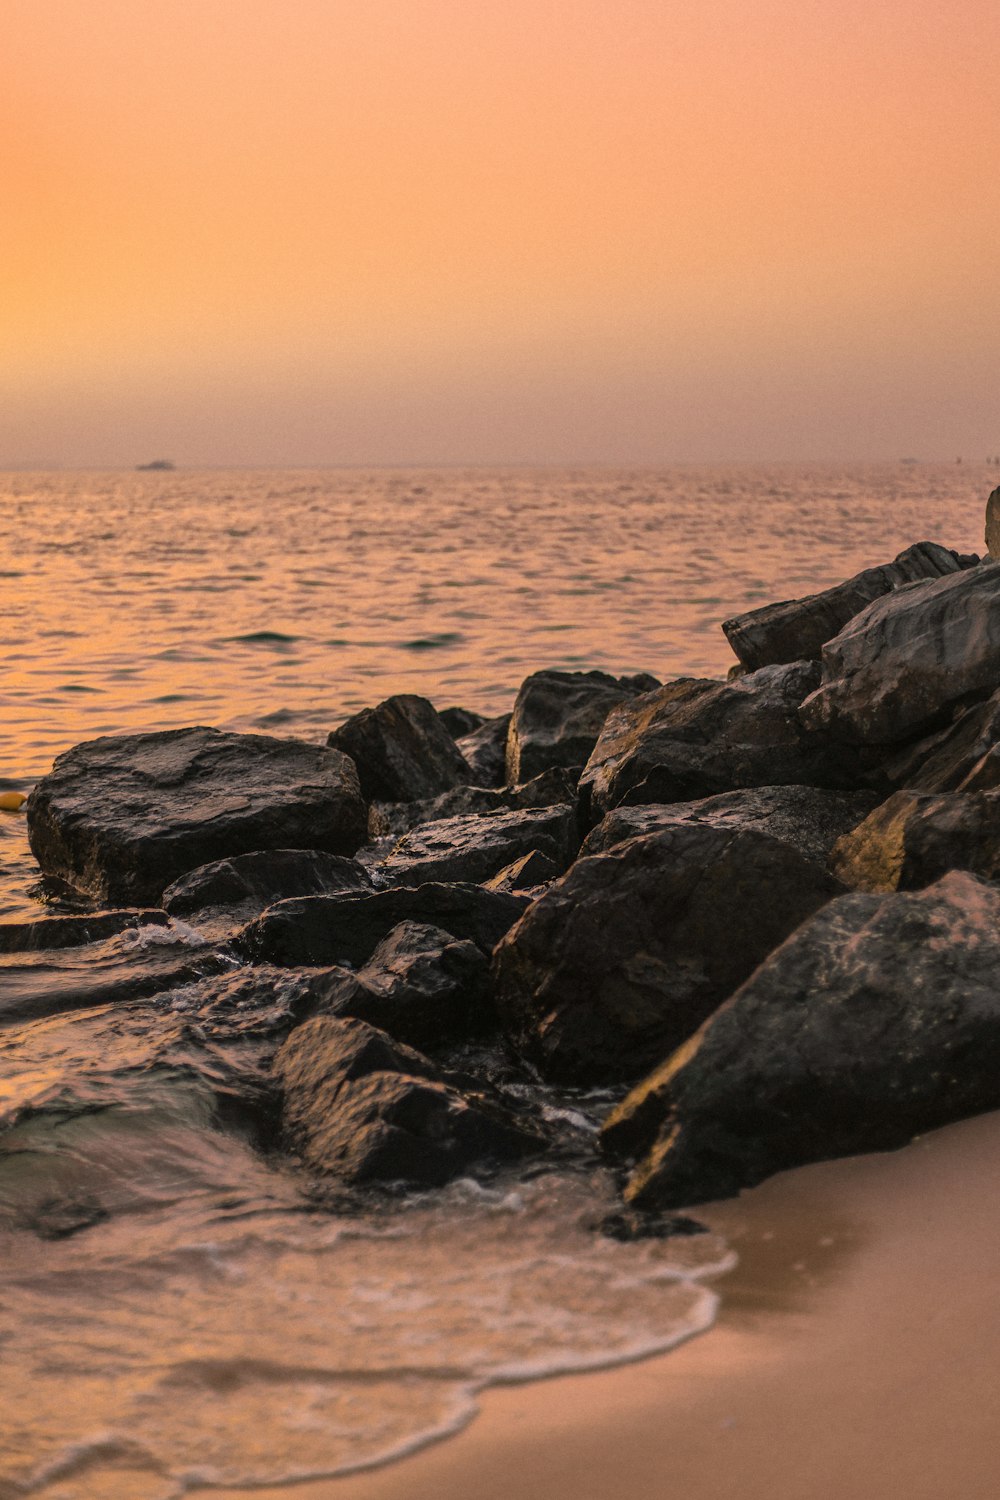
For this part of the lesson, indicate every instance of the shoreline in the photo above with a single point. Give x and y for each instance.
(854, 1355)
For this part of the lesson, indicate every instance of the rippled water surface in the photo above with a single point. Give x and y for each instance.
(175, 1310)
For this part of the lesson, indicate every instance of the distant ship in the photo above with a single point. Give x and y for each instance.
(157, 463)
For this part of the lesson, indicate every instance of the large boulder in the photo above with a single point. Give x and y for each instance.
(362, 1109)
(475, 848)
(421, 985)
(916, 837)
(901, 666)
(402, 750)
(697, 737)
(879, 1019)
(798, 629)
(624, 957)
(123, 817)
(346, 929)
(962, 757)
(485, 750)
(808, 818)
(544, 790)
(558, 716)
(226, 894)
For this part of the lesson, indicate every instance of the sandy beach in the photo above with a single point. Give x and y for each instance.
(855, 1356)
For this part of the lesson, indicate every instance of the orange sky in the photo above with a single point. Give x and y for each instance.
(436, 230)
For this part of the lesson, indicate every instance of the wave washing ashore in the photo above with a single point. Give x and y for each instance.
(210, 1089)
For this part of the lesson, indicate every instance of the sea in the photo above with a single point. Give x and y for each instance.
(177, 1309)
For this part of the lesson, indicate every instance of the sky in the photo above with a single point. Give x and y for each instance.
(467, 231)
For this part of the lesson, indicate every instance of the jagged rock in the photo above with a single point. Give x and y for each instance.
(625, 956)
(558, 716)
(916, 837)
(879, 1019)
(901, 666)
(346, 929)
(695, 738)
(546, 790)
(460, 721)
(798, 629)
(525, 874)
(964, 757)
(421, 985)
(808, 818)
(47, 933)
(361, 1108)
(474, 848)
(485, 750)
(222, 896)
(123, 817)
(993, 525)
(402, 750)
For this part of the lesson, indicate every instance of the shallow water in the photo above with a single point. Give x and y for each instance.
(175, 1309)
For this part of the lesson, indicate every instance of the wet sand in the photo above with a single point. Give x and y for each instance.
(856, 1355)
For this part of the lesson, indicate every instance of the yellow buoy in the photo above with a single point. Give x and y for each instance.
(12, 801)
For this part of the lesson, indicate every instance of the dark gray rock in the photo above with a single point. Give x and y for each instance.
(460, 721)
(798, 629)
(485, 750)
(916, 837)
(901, 667)
(46, 933)
(879, 1019)
(962, 757)
(525, 874)
(421, 985)
(696, 738)
(624, 957)
(558, 716)
(402, 750)
(222, 896)
(123, 817)
(346, 929)
(360, 1108)
(546, 790)
(809, 819)
(993, 525)
(476, 847)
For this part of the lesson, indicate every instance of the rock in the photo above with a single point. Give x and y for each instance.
(797, 629)
(222, 896)
(364, 1110)
(623, 958)
(485, 751)
(993, 525)
(902, 665)
(476, 847)
(879, 1019)
(346, 929)
(808, 818)
(545, 790)
(963, 757)
(123, 817)
(696, 738)
(47, 933)
(916, 837)
(558, 716)
(525, 874)
(402, 750)
(460, 721)
(421, 986)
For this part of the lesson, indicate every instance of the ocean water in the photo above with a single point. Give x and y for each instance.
(176, 1309)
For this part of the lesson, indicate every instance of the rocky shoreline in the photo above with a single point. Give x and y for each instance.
(757, 916)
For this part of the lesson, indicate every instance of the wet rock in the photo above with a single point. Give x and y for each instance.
(546, 790)
(222, 896)
(123, 817)
(421, 986)
(346, 929)
(360, 1108)
(914, 838)
(623, 958)
(879, 1019)
(696, 738)
(46, 933)
(808, 818)
(558, 716)
(901, 666)
(797, 629)
(526, 874)
(402, 750)
(476, 847)
(962, 757)
(460, 721)
(485, 750)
